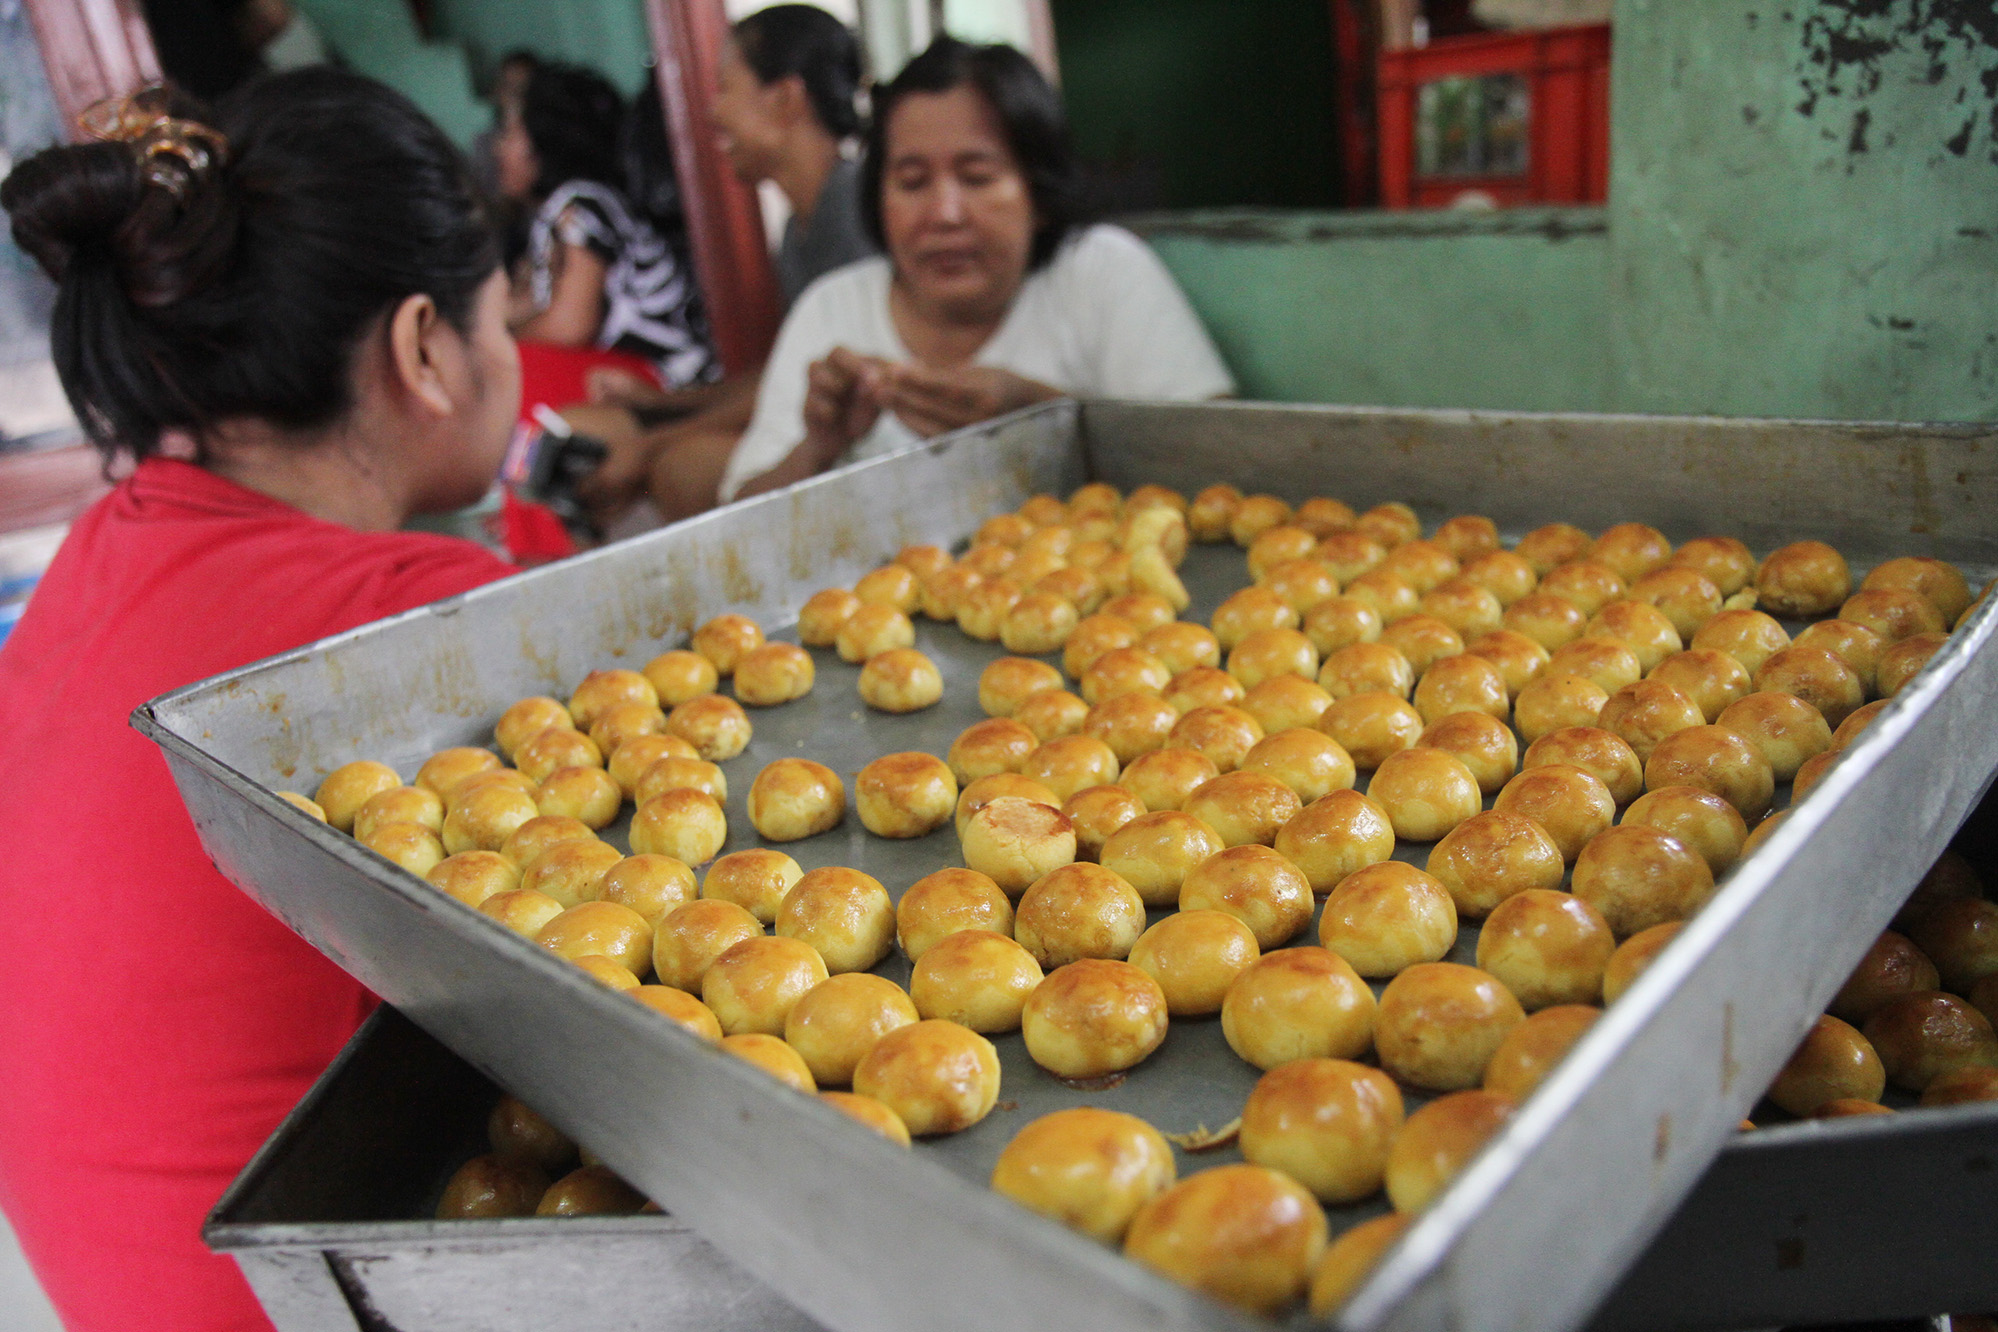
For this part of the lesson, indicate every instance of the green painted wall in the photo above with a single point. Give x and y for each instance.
(609, 36)
(1501, 310)
(1804, 208)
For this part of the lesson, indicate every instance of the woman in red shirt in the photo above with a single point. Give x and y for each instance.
(305, 300)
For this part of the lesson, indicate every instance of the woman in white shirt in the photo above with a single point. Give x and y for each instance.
(990, 295)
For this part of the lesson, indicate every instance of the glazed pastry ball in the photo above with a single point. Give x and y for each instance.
(1712, 679)
(1686, 598)
(1248, 610)
(1195, 957)
(1715, 759)
(1154, 852)
(1834, 1062)
(626, 721)
(1070, 764)
(1963, 1086)
(1633, 955)
(1164, 778)
(1531, 1050)
(1244, 808)
(1481, 742)
(1548, 620)
(1254, 516)
(1095, 635)
(1645, 629)
(794, 798)
(723, 641)
(1286, 702)
(1350, 554)
(1509, 577)
(1388, 595)
(1326, 1123)
(1423, 639)
(1097, 813)
(1961, 936)
(1702, 820)
(649, 885)
(1600, 753)
(1264, 654)
(1322, 515)
(1467, 537)
(1255, 885)
(570, 872)
(1006, 529)
(1892, 613)
(1518, 658)
(398, 804)
(1212, 510)
(1922, 1036)
(1145, 611)
(714, 725)
(1088, 1168)
(941, 595)
(680, 675)
(866, 1110)
(605, 929)
(988, 559)
(1278, 546)
(1644, 714)
(687, 940)
(1015, 842)
(1900, 663)
(1854, 644)
(1421, 564)
(1204, 687)
(1341, 622)
(1131, 724)
(946, 902)
(501, 778)
(303, 804)
(590, 1190)
(1425, 792)
(1722, 561)
(978, 978)
(1461, 683)
(1547, 947)
(1491, 857)
(1241, 1234)
(1123, 671)
(937, 1076)
(474, 876)
(1610, 662)
(490, 1186)
(755, 879)
(1892, 967)
(977, 795)
(773, 673)
(874, 629)
(410, 845)
(754, 984)
(1372, 726)
(1334, 836)
(521, 911)
(482, 820)
(890, 585)
(673, 773)
(447, 767)
(1571, 806)
(1438, 1141)
(846, 916)
(1439, 1023)
(1224, 734)
(820, 618)
(1078, 587)
(351, 786)
(1556, 701)
(523, 721)
(1350, 1259)
(1466, 607)
(516, 1132)
(1038, 622)
(635, 757)
(556, 747)
(1631, 549)
(839, 1020)
(1182, 645)
(905, 795)
(686, 824)
(1637, 877)
(1078, 911)
(1783, 728)
(1304, 759)
(1949, 878)
(1303, 583)
(1391, 523)
(1093, 1017)
(1749, 636)
(1803, 581)
(1298, 1003)
(601, 691)
(1940, 582)
(900, 680)
(997, 744)
(536, 835)
(1010, 681)
(1388, 917)
(1547, 548)
(1587, 584)
(770, 1054)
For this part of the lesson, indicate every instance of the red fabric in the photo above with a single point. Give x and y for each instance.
(155, 1024)
(534, 535)
(555, 376)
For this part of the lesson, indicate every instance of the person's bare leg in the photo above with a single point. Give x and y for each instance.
(687, 473)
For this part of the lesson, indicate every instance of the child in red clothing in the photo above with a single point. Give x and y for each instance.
(309, 293)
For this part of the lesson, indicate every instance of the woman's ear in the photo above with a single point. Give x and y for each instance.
(421, 342)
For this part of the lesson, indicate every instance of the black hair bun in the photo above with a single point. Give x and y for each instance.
(73, 201)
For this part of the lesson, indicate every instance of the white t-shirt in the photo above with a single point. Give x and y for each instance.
(1102, 318)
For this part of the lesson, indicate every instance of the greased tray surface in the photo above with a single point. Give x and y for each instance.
(1645, 1101)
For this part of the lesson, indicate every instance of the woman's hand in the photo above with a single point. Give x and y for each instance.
(843, 399)
(932, 401)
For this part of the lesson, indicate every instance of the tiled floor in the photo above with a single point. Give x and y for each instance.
(23, 1307)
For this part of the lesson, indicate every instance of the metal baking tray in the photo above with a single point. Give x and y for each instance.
(862, 1235)
(330, 1224)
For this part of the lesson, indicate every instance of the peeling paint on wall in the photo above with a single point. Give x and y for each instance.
(1851, 47)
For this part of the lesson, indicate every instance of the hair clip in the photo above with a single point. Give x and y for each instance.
(171, 150)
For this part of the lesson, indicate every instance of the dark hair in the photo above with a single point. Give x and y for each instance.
(805, 41)
(1030, 116)
(247, 296)
(573, 117)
